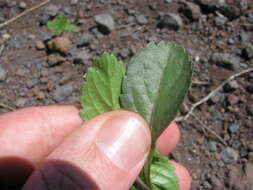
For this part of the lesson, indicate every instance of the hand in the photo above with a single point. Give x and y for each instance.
(51, 148)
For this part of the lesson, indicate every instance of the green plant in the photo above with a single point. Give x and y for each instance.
(156, 82)
(60, 25)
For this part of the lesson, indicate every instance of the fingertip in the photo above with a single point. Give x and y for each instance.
(169, 139)
(183, 176)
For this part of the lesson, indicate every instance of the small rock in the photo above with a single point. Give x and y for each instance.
(31, 37)
(207, 185)
(81, 57)
(212, 146)
(190, 10)
(232, 99)
(170, 21)
(141, 19)
(85, 40)
(73, 2)
(226, 60)
(217, 97)
(6, 36)
(60, 44)
(124, 53)
(105, 23)
(2, 74)
(216, 182)
(52, 10)
(22, 5)
(231, 86)
(62, 92)
(229, 155)
(55, 59)
(233, 128)
(220, 20)
(20, 102)
(40, 45)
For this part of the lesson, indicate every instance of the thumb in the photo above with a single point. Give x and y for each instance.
(107, 152)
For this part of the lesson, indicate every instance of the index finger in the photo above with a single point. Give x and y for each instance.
(30, 134)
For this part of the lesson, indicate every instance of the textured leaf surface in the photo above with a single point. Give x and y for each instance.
(101, 90)
(162, 174)
(60, 25)
(157, 80)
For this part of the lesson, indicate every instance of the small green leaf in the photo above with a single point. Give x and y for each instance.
(60, 25)
(158, 78)
(70, 28)
(162, 174)
(101, 90)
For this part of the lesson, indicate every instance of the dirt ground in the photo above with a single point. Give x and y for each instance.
(216, 145)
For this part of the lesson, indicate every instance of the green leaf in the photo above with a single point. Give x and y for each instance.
(60, 25)
(101, 90)
(158, 78)
(162, 174)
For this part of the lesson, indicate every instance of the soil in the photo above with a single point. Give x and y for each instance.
(218, 36)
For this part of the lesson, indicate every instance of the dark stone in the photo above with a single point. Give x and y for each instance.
(85, 39)
(229, 155)
(226, 60)
(170, 21)
(190, 10)
(233, 128)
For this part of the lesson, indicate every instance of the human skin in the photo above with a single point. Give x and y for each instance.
(52, 148)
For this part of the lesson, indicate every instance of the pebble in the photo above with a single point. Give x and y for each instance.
(85, 39)
(73, 2)
(62, 92)
(170, 21)
(190, 10)
(60, 44)
(227, 61)
(231, 86)
(55, 59)
(22, 5)
(40, 45)
(105, 23)
(207, 185)
(229, 156)
(81, 57)
(234, 128)
(212, 146)
(220, 20)
(217, 97)
(52, 10)
(232, 99)
(216, 182)
(2, 74)
(124, 53)
(141, 19)
(20, 102)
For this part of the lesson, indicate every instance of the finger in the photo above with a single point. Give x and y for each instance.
(168, 140)
(107, 152)
(30, 134)
(183, 176)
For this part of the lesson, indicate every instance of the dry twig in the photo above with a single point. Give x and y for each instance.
(212, 93)
(24, 13)
(209, 130)
(6, 106)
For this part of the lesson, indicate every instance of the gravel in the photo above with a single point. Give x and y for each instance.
(229, 156)
(227, 61)
(170, 21)
(191, 10)
(141, 19)
(85, 39)
(2, 74)
(105, 23)
(62, 92)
